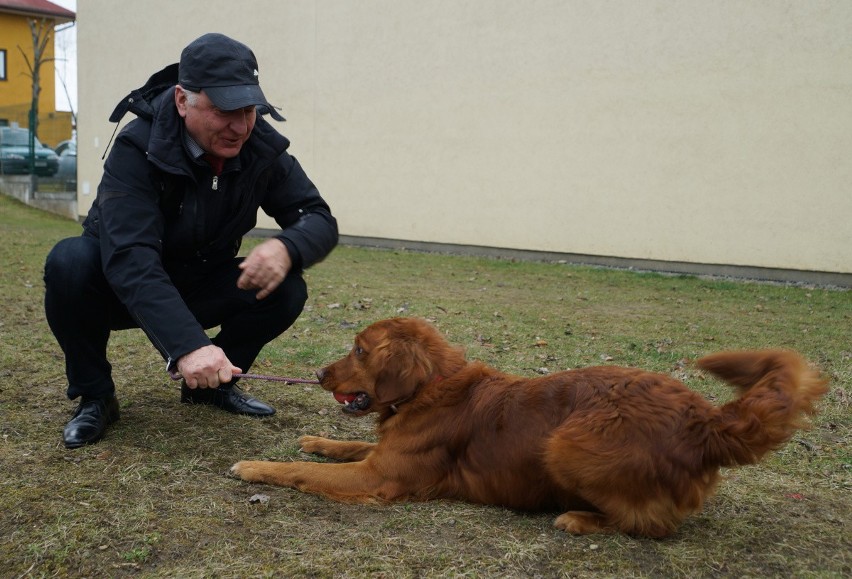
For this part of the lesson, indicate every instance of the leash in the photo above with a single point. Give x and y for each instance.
(175, 376)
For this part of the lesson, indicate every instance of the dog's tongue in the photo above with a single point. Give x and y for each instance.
(344, 398)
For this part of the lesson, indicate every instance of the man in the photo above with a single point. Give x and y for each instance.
(182, 185)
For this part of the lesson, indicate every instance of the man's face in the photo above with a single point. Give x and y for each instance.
(218, 132)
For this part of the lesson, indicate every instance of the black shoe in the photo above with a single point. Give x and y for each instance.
(228, 398)
(90, 421)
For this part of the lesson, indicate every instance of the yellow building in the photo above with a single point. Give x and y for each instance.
(16, 41)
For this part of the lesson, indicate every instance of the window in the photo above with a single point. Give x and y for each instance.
(2, 64)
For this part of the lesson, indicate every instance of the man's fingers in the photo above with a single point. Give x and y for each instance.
(206, 367)
(224, 375)
(265, 268)
(266, 284)
(268, 289)
(243, 282)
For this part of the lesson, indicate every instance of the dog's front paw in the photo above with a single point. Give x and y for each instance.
(246, 471)
(311, 444)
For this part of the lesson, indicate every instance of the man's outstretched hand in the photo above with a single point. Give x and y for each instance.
(265, 267)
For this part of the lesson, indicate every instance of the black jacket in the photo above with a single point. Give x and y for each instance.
(159, 218)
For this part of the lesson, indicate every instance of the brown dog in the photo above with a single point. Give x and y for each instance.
(613, 449)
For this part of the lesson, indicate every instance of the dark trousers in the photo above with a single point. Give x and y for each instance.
(82, 311)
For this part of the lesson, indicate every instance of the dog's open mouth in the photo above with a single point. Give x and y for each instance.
(353, 402)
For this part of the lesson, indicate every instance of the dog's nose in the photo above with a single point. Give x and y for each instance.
(320, 373)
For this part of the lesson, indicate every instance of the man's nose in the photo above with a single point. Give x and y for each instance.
(238, 122)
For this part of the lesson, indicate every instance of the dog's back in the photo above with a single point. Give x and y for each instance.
(494, 438)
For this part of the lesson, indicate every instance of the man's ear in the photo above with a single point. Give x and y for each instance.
(180, 101)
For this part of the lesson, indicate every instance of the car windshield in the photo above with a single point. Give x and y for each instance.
(19, 138)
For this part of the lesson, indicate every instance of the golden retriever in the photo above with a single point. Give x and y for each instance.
(610, 448)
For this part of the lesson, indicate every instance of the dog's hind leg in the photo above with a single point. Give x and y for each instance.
(629, 488)
(633, 522)
(582, 523)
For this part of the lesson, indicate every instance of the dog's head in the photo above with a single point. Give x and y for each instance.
(389, 362)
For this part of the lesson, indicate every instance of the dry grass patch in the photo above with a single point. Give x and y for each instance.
(153, 500)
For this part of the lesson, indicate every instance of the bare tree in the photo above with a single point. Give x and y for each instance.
(40, 30)
(60, 44)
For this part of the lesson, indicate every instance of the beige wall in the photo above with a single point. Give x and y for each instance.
(692, 131)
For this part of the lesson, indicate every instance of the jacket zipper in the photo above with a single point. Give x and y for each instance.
(156, 341)
(215, 182)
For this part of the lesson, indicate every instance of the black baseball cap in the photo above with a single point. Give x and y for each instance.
(227, 72)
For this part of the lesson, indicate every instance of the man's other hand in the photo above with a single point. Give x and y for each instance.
(265, 267)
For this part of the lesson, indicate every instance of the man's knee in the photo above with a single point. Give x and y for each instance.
(290, 297)
(72, 262)
(283, 306)
(296, 290)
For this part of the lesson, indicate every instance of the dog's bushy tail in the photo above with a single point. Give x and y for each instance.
(777, 393)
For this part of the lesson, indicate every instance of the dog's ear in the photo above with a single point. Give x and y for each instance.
(404, 367)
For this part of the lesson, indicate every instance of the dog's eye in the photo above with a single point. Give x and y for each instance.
(359, 350)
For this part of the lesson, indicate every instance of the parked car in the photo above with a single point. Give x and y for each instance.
(15, 154)
(65, 145)
(67, 151)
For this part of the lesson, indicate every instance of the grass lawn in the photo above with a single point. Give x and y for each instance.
(153, 498)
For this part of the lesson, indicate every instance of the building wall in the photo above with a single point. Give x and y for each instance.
(16, 90)
(17, 87)
(692, 131)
